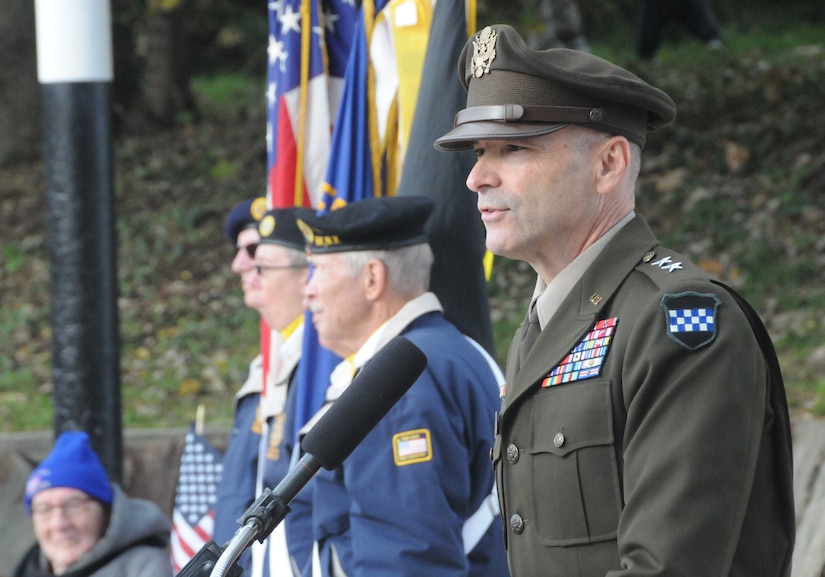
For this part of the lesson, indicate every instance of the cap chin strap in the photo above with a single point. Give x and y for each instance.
(542, 114)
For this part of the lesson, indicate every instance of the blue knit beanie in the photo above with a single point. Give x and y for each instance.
(72, 463)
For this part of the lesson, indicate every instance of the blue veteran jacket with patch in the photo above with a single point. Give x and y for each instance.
(240, 464)
(236, 490)
(399, 502)
(646, 432)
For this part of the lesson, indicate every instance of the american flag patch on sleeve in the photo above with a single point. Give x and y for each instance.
(412, 447)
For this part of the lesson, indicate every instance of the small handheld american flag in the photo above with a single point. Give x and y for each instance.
(194, 514)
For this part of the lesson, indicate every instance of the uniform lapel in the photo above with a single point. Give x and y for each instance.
(581, 309)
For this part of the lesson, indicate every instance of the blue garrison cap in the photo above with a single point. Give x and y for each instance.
(244, 215)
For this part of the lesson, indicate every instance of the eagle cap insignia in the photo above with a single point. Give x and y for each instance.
(484, 52)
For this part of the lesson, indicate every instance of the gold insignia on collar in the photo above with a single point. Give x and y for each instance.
(484, 52)
(267, 226)
(596, 298)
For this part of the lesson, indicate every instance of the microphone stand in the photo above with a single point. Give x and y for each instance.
(257, 522)
(356, 412)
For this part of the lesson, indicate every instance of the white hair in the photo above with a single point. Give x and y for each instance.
(408, 268)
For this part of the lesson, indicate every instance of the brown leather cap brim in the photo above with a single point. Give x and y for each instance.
(464, 136)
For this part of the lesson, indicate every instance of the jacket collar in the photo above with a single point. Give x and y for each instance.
(580, 309)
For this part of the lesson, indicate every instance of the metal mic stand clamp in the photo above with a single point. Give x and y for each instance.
(257, 522)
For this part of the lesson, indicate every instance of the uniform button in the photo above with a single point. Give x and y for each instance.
(648, 256)
(512, 454)
(558, 440)
(517, 524)
(491, 454)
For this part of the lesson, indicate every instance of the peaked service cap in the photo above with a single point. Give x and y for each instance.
(514, 91)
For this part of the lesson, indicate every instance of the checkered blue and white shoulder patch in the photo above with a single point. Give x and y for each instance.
(691, 318)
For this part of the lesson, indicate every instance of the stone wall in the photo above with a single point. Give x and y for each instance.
(151, 460)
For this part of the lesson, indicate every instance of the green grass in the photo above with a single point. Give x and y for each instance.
(216, 94)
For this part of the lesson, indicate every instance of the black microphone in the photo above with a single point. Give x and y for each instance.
(381, 383)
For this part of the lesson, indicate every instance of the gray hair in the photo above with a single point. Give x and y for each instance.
(586, 138)
(296, 257)
(408, 268)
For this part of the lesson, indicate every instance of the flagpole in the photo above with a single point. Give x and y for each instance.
(306, 37)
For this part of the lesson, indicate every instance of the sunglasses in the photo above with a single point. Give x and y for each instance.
(250, 249)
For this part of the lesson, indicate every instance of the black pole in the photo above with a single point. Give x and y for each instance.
(75, 71)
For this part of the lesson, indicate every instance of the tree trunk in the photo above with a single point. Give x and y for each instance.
(20, 128)
(166, 94)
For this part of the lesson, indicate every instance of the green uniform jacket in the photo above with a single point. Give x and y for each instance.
(670, 458)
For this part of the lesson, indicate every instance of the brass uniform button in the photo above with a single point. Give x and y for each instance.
(558, 440)
(517, 524)
(512, 454)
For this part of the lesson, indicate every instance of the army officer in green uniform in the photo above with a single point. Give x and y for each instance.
(643, 428)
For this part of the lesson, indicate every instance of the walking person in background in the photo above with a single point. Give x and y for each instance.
(85, 525)
(558, 24)
(695, 16)
(644, 428)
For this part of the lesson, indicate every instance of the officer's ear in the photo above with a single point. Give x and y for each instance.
(612, 162)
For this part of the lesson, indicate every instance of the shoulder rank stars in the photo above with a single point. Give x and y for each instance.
(586, 359)
(666, 263)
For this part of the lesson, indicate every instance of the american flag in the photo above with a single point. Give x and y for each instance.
(194, 515)
(308, 47)
(309, 44)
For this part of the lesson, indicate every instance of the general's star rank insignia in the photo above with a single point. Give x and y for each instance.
(691, 318)
(586, 359)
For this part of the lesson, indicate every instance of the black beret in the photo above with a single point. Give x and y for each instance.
(514, 91)
(280, 226)
(244, 215)
(372, 224)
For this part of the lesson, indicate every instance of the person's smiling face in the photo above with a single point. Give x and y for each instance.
(535, 196)
(68, 524)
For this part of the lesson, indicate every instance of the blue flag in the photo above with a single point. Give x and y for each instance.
(350, 177)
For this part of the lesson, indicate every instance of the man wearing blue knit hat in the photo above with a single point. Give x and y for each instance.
(85, 524)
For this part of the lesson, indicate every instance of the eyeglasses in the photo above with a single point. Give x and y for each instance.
(250, 249)
(70, 507)
(259, 268)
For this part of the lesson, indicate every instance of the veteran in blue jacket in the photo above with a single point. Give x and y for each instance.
(416, 497)
(644, 429)
(236, 490)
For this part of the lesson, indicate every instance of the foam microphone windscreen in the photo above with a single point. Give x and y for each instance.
(381, 383)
